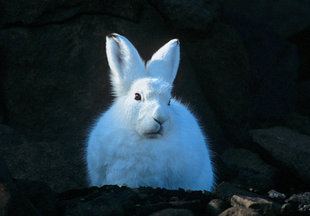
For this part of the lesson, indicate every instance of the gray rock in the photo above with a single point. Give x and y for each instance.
(173, 212)
(303, 96)
(226, 190)
(298, 122)
(221, 61)
(287, 146)
(41, 161)
(274, 64)
(239, 211)
(259, 205)
(299, 202)
(284, 17)
(188, 15)
(253, 171)
(27, 12)
(216, 206)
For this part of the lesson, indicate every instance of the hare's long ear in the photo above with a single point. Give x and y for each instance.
(165, 62)
(125, 63)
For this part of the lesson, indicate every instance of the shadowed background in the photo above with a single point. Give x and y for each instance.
(244, 66)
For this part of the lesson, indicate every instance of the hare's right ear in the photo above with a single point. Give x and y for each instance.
(125, 63)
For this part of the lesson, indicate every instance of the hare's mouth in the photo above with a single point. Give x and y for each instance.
(154, 134)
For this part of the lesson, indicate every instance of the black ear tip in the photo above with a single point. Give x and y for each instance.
(114, 35)
(178, 41)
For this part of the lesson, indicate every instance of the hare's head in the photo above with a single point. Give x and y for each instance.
(143, 91)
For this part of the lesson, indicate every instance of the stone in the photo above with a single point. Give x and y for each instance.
(216, 206)
(303, 96)
(298, 122)
(289, 147)
(276, 195)
(186, 15)
(173, 212)
(12, 200)
(283, 17)
(260, 205)
(221, 61)
(274, 64)
(239, 211)
(114, 200)
(253, 171)
(302, 40)
(45, 12)
(41, 161)
(226, 190)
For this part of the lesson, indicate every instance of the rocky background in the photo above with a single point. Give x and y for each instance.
(245, 71)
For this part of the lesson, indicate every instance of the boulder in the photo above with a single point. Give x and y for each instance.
(222, 66)
(36, 13)
(252, 170)
(274, 64)
(284, 17)
(185, 15)
(290, 148)
(50, 162)
(259, 205)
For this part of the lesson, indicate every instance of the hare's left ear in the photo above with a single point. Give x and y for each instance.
(164, 63)
(125, 63)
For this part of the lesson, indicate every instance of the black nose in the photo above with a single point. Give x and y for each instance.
(157, 121)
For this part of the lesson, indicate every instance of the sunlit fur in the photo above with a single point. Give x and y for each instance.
(127, 146)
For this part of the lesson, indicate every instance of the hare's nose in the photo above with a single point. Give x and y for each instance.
(159, 122)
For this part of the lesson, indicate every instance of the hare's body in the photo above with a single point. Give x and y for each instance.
(144, 138)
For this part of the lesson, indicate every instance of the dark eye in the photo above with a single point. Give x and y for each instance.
(137, 96)
(169, 102)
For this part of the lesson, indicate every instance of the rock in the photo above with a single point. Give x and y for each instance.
(221, 61)
(226, 190)
(298, 122)
(216, 206)
(40, 195)
(273, 66)
(45, 12)
(173, 212)
(276, 195)
(253, 171)
(259, 205)
(114, 200)
(303, 97)
(284, 17)
(189, 16)
(287, 146)
(302, 41)
(41, 161)
(239, 211)
(12, 200)
(297, 203)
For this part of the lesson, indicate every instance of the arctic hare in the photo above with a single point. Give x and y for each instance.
(147, 138)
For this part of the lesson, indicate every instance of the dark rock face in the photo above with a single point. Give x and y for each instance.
(287, 146)
(285, 17)
(252, 170)
(189, 16)
(236, 73)
(114, 200)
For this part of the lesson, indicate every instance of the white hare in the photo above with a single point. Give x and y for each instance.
(147, 138)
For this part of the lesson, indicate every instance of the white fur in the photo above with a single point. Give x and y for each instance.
(127, 146)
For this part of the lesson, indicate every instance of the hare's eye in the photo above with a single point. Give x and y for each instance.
(137, 96)
(169, 102)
